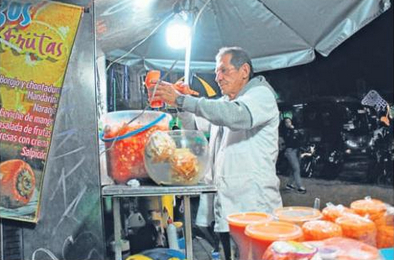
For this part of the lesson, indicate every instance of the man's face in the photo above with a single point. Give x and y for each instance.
(230, 79)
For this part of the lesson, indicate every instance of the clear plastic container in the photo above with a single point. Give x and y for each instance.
(385, 229)
(290, 250)
(125, 141)
(238, 223)
(372, 208)
(262, 235)
(332, 212)
(359, 228)
(320, 229)
(344, 248)
(297, 215)
(177, 157)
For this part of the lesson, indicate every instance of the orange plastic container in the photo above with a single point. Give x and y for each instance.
(332, 212)
(153, 75)
(297, 215)
(263, 234)
(238, 223)
(320, 229)
(372, 207)
(359, 228)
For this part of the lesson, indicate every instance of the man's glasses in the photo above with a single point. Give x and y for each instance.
(224, 71)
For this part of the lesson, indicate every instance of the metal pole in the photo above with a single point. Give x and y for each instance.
(188, 53)
(188, 228)
(117, 229)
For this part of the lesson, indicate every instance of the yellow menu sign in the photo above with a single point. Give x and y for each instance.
(36, 40)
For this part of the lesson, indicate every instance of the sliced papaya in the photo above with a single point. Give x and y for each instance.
(17, 182)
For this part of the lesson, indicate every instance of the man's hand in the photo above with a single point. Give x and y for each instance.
(185, 89)
(166, 91)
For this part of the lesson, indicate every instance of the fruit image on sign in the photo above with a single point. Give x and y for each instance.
(17, 181)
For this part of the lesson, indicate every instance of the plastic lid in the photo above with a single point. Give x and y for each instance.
(274, 230)
(321, 225)
(297, 214)
(355, 221)
(333, 212)
(369, 206)
(320, 229)
(293, 249)
(246, 218)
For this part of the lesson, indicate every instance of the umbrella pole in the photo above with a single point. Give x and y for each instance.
(187, 63)
(188, 53)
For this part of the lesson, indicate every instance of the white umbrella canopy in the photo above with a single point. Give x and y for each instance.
(275, 33)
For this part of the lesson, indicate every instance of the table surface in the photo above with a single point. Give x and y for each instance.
(156, 190)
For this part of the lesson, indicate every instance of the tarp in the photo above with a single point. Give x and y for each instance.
(275, 33)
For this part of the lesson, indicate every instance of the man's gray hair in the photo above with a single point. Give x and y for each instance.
(238, 57)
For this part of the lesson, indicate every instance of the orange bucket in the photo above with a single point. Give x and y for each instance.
(320, 229)
(238, 223)
(262, 235)
(371, 207)
(297, 215)
(359, 228)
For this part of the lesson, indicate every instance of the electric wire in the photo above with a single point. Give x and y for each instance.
(158, 82)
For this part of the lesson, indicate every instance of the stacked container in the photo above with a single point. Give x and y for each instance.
(238, 223)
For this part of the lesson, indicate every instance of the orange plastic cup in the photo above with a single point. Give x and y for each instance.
(320, 229)
(262, 235)
(238, 223)
(371, 207)
(297, 215)
(359, 228)
(153, 75)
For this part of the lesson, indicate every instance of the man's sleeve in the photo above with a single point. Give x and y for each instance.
(232, 114)
(261, 104)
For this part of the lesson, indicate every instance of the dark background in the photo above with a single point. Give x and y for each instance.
(361, 63)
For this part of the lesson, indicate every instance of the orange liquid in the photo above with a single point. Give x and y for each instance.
(150, 76)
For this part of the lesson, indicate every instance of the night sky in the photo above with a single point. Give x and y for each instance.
(361, 63)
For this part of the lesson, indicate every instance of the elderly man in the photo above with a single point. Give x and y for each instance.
(243, 141)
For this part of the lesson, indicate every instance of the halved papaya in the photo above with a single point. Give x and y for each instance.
(17, 182)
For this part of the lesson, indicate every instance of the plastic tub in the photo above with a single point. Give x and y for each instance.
(238, 223)
(263, 234)
(359, 228)
(372, 208)
(320, 229)
(125, 142)
(297, 215)
(177, 157)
